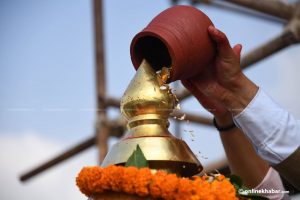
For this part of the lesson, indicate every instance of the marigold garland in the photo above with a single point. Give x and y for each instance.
(93, 180)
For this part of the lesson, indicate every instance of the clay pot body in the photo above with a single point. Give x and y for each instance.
(176, 38)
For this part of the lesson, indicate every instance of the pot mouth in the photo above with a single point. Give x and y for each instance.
(153, 50)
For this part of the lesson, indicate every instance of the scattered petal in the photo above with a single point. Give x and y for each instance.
(177, 107)
(182, 117)
(163, 87)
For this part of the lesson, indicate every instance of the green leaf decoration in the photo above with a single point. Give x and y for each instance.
(137, 159)
(236, 181)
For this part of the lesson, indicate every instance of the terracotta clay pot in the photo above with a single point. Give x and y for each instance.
(176, 38)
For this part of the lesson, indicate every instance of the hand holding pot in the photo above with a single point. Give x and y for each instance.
(176, 38)
(222, 87)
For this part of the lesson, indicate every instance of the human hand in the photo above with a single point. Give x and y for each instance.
(222, 87)
(221, 114)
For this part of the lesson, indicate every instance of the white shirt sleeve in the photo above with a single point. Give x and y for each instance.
(274, 132)
(272, 182)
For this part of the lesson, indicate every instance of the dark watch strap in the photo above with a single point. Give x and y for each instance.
(223, 128)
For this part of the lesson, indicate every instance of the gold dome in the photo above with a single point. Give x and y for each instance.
(146, 94)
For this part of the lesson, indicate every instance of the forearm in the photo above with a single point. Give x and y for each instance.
(274, 131)
(245, 163)
(271, 128)
(242, 158)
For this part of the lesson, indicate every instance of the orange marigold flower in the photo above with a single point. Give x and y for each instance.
(169, 186)
(204, 177)
(223, 190)
(93, 180)
(203, 189)
(112, 178)
(129, 178)
(106, 178)
(220, 177)
(87, 180)
(143, 179)
(155, 186)
(185, 189)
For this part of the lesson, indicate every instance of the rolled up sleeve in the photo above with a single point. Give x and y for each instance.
(274, 132)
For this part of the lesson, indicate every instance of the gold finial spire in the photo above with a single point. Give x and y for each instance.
(146, 95)
(147, 104)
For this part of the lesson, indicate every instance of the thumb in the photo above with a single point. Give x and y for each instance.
(223, 46)
(237, 51)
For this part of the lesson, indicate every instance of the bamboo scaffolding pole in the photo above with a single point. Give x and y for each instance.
(231, 7)
(285, 39)
(102, 130)
(275, 8)
(76, 149)
(116, 127)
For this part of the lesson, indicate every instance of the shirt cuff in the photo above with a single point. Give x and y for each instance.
(272, 182)
(274, 133)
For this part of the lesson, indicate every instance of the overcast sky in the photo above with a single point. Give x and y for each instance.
(47, 88)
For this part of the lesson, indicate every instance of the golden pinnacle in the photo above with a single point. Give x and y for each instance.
(147, 105)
